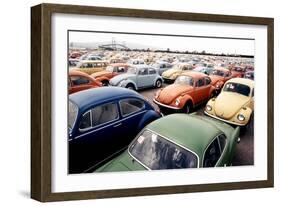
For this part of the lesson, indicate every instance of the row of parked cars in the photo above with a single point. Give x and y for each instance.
(114, 128)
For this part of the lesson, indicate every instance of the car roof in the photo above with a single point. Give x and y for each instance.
(190, 131)
(87, 98)
(74, 72)
(194, 74)
(247, 82)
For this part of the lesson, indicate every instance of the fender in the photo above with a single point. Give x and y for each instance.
(102, 78)
(232, 143)
(184, 99)
(124, 83)
(148, 117)
(212, 89)
(157, 78)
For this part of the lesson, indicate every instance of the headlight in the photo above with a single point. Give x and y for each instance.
(177, 102)
(208, 108)
(241, 117)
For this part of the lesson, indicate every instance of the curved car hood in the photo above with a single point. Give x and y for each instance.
(228, 104)
(101, 73)
(215, 78)
(171, 92)
(169, 72)
(117, 79)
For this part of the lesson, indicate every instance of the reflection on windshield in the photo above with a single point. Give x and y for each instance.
(156, 153)
(186, 80)
(72, 114)
(237, 88)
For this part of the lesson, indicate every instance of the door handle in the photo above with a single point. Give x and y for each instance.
(117, 125)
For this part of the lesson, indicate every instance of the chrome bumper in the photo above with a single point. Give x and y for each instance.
(166, 106)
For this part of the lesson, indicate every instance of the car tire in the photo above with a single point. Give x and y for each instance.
(158, 83)
(105, 83)
(188, 107)
(131, 87)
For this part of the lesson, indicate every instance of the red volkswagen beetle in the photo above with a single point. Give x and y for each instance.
(79, 81)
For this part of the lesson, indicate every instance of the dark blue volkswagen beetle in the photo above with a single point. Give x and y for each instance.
(103, 121)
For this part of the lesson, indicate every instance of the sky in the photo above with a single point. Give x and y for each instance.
(210, 45)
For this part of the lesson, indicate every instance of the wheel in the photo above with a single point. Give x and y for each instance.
(105, 83)
(130, 86)
(188, 107)
(158, 83)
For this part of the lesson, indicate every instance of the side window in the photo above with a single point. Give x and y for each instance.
(78, 80)
(120, 69)
(200, 83)
(207, 80)
(222, 141)
(212, 154)
(253, 93)
(143, 71)
(129, 106)
(85, 121)
(104, 113)
(151, 71)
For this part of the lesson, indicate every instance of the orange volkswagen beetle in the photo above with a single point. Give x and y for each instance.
(79, 81)
(190, 89)
(219, 76)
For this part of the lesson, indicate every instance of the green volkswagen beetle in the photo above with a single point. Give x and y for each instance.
(178, 141)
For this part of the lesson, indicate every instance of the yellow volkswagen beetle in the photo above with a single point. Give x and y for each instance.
(235, 104)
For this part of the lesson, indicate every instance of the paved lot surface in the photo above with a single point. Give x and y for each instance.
(245, 149)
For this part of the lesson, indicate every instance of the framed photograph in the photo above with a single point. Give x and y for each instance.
(128, 102)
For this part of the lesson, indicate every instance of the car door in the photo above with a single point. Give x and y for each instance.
(142, 78)
(80, 83)
(98, 135)
(132, 111)
(201, 90)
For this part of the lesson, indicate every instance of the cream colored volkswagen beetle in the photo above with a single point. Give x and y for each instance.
(235, 103)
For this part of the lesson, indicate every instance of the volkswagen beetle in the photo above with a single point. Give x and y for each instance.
(235, 104)
(138, 77)
(190, 89)
(101, 122)
(178, 141)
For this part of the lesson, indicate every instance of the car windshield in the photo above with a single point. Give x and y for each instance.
(156, 153)
(218, 72)
(72, 114)
(237, 88)
(109, 68)
(132, 70)
(186, 80)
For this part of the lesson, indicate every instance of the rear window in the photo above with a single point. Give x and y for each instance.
(237, 88)
(129, 106)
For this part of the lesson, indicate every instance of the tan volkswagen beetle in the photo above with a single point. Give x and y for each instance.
(235, 103)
